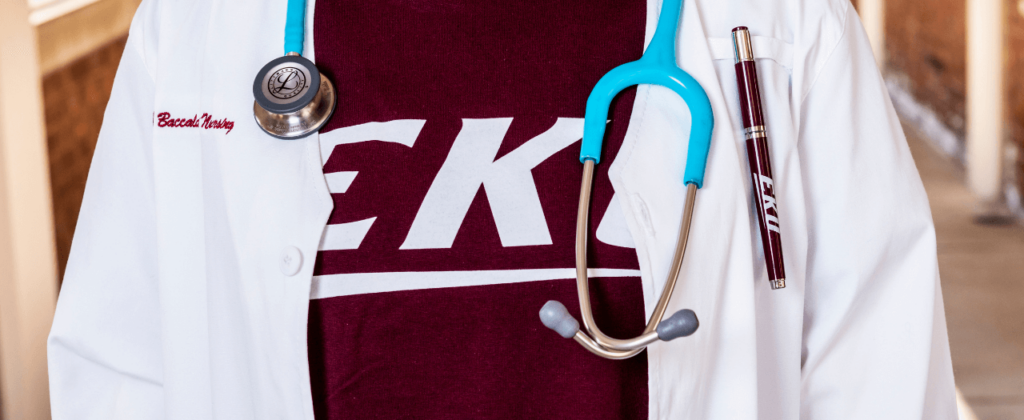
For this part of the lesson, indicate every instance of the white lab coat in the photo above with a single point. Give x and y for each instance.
(177, 301)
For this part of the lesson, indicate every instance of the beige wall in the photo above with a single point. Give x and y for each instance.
(27, 265)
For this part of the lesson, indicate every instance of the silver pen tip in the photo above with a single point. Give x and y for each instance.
(741, 47)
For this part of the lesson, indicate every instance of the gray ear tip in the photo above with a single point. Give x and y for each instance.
(554, 316)
(681, 324)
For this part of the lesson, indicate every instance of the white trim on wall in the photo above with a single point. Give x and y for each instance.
(872, 16)
(73, 29)
(985, 43)
(46, 10)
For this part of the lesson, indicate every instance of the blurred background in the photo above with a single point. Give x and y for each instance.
(952, 67)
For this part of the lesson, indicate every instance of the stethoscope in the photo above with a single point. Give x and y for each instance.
(294, 100)
(656, 67)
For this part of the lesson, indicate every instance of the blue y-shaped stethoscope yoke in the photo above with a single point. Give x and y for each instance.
(656, 67)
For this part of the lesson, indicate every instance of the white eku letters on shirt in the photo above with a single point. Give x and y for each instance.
(508, 183)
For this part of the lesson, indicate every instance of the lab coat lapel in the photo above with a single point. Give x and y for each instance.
(231, 204)
(720, 358)
(273, 200)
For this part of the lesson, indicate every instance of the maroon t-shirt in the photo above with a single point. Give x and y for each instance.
(453, 161)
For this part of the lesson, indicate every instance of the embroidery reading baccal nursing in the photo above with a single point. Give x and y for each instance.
(204, 121)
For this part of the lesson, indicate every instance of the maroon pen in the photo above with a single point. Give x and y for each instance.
(757, 155)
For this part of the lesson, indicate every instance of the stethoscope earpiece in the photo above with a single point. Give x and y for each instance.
(293, 100)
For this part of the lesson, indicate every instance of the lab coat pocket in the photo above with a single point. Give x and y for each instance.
(774, 62)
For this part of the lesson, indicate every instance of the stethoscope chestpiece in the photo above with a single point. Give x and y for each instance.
(293, 100)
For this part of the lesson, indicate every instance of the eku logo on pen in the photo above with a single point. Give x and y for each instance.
(771, 212)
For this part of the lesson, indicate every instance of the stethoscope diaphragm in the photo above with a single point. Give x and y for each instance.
(293, 100)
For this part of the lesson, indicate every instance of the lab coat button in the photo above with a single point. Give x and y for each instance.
(291, 261)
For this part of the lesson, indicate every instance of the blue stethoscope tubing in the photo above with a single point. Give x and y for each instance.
(657, 66)
(294, 27)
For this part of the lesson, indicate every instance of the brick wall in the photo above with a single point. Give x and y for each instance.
(75, 97)
(926, 50)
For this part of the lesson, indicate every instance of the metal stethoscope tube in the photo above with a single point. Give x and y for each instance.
(556, 317)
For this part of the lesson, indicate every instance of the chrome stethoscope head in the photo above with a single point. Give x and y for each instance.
(658, 67)
(293, 100)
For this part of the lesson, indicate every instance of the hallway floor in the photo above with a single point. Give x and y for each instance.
(982, 270)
